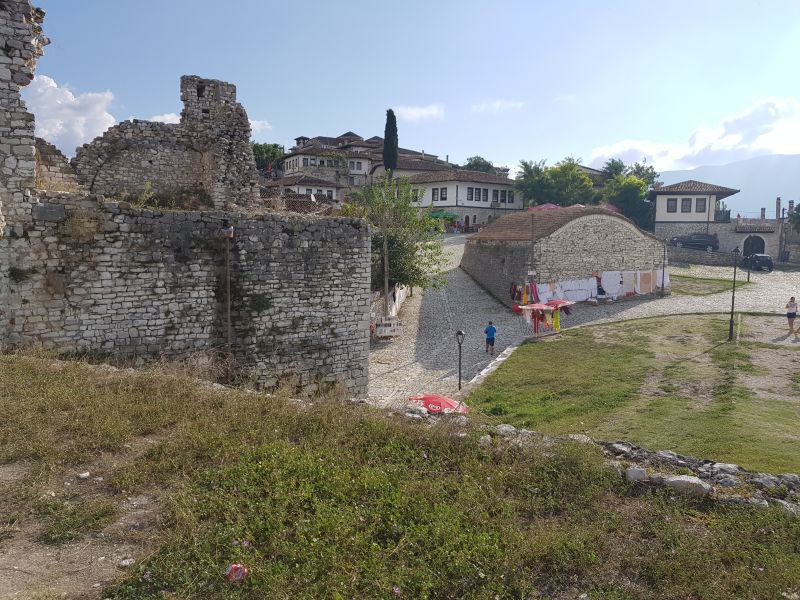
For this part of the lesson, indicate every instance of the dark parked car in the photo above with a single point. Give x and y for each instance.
(758, 262)
(703, 241)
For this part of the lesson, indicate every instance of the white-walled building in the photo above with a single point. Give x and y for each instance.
(477, 198)
(303, 184)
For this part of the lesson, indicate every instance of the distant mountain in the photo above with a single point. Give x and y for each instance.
(760, 179)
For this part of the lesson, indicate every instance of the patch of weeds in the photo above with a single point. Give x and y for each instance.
(497, 410)
(71, 519)
(17, 275)
(259, 303)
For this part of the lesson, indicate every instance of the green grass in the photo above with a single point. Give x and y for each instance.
(686, 285)
(594, 381)
(338, 501)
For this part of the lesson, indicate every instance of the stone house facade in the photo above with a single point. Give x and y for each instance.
(571, 243)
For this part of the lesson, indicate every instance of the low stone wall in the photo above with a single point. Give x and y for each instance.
(699, 257)
(729, 238)
(494, 265)
(91, 275)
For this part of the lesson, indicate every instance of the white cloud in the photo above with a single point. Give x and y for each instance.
(497, 106)
(565, 99)
(64, 118)
(420, 113)
(770, 126)
(258, 125)
(166, 118)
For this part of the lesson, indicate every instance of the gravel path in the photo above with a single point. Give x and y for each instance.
(425, 357)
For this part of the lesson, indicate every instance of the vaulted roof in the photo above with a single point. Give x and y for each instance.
(530, 226)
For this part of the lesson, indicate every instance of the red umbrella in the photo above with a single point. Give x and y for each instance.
(436, 404)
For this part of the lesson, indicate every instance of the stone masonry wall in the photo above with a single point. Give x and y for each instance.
(596, 243)
(729, 238)
(576, 250)
(53, 171)
(80, 273)
(104, 277)
(495, 265)
(208, 151)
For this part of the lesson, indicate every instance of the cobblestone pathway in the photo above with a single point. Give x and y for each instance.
(425, 358)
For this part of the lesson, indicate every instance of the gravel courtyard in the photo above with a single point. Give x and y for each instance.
(425, 358)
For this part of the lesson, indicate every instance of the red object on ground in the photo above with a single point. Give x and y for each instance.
(236, 573)
(436, 404)
(515, 308)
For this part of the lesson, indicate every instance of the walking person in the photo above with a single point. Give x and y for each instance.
(490, 332)
(791, 313)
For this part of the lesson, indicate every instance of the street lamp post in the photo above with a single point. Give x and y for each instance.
(460, 340)
(664, 268)
(733, 293)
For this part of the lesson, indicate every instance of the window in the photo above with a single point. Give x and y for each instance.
(358, 165)
(305, 162)
(672, 205)
(485, 194)
(700, 205)
(469, 194)
(495, 195)
(329, 194)
(686, 205)
(503, 196)
(352, 165)
(308, 191)
(474, 219)
(351, 180)
(330, 163)
(319, 192)
(511, 197)
(415, 195)
(435, 195)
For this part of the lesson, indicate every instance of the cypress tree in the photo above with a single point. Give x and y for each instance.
(390, 142)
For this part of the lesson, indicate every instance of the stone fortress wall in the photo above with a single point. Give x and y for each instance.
(82, 272)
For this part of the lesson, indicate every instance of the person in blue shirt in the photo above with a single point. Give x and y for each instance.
(490, 331)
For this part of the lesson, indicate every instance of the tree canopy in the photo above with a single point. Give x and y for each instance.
(628, 194)
(414, 246)
(565, 183)
(478, 163)
(390, 142)
(268, 156)
(614, 167)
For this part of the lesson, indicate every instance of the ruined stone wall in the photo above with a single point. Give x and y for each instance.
(81, 273)
(104, 277)
(208, 153)
(53, 171)
(588, 244)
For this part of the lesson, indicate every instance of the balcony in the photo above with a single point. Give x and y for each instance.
(722, 216)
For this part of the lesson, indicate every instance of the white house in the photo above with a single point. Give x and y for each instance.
(303, 184)
(477, 198)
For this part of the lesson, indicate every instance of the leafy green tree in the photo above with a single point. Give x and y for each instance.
(267, 155)
(533, 182)
(570, 184)
(405, 237)
(645, 172)
(628, 194)
(478, 163)
(614, 167)
(390, 143)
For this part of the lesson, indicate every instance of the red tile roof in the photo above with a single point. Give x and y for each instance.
(693, 187)
(529, 226)
(461, 175)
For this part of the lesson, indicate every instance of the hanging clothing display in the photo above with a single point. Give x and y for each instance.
(628, 283)
(611, 282)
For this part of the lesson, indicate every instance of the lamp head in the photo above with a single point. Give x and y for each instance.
(736, 250)
(459, 336)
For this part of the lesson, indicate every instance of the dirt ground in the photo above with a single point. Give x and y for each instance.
(32, 569)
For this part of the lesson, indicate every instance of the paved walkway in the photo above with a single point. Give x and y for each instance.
(425, 358)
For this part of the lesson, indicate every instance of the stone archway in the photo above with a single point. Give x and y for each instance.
(754, 244)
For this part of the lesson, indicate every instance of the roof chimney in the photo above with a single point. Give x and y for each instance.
(778, 208)
(763, 214)
(423, 154)
(447, 158)
(791, 206)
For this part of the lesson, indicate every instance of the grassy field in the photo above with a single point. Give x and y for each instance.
(331, 500)
(686, 285)
(666, 383)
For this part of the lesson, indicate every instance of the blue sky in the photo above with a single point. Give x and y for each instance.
(683, 83)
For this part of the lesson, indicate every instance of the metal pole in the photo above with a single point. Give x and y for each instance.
(664, 268)
(733, 294)
(459, 367)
